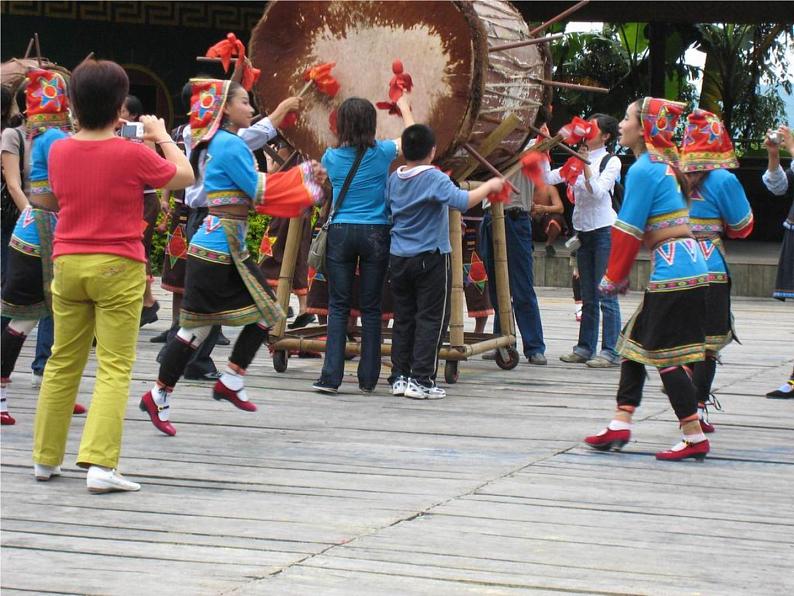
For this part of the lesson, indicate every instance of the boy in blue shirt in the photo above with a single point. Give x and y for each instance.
(419, 197)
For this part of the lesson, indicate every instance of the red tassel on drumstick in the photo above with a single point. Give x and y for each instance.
(232, 48)
(320, 77)
(400, 83)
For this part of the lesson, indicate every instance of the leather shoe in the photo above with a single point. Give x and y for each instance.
(609, 439)
(222, 340)
(302, 320)
(209, 376)
(160, 338)
(150, 407)
(685, 450)
(6, 419)
(149, 314)
(221, 391)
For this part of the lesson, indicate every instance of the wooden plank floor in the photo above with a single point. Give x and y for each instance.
(489, 491)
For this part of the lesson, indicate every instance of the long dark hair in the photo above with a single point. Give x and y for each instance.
(608, 125)
(195, 152)
(356, 123)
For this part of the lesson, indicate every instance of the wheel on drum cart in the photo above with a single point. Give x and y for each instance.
(451, 372)
(512, 360)
(280, 360)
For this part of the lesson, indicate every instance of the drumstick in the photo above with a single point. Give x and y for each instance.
(559, 17)
(575, 86)
(30, 47)
(206, 59)
(526, 42)
(38, 48)
(562, 145)
(488, 165)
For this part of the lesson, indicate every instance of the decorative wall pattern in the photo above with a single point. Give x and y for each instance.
(239, 16)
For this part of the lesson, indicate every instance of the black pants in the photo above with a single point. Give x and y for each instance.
(421, 290)
(200, 363)
(679, 387)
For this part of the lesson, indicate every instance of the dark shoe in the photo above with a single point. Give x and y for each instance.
(785, 391)
(222, 340)
(367, 390)
(147, 405)
(160, 338)
(302, 320)
(685, 450)
(551, 251)
(609, 439)
(79, 409)
(574, 358)
(237, 398)
(149, 314)
(210, 376)
(290, 312)
(537, 359)
(323, 387)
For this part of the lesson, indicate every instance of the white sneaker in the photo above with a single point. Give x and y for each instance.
(35, 380)
(101, 480)
(44, 473)
(399, 385)
(416, 390)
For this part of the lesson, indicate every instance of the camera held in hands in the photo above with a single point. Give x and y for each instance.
(774, 137)
(132, 131)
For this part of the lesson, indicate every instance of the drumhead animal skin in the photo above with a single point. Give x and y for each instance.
(460, 89)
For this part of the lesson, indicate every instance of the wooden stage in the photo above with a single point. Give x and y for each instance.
(489, 491)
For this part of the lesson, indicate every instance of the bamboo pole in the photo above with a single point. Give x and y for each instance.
(288, 261)
(38, 48)
(574, 86)
(488, 165)
(456, 334)
(504, 305)
(563, 146)
(218, 60)
(559, 17)
(526, 42)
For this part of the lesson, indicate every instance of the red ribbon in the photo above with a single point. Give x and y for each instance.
(399, 84)
(503, 196)
(578, 130)
(571, 170)
(321, 75)
(532, 168)
(231, 47)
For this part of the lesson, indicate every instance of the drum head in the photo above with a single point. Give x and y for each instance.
(442, 45)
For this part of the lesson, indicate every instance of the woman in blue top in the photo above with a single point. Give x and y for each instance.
(719, 207)
(359, 235)
(668, 329)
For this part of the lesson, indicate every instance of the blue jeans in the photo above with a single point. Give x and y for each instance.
(591, 259)
(518, 234)
(44, 337)
(367, 246)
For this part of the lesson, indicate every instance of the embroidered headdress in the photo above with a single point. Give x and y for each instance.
(207, 99)
(47, 102)
(707, 144)
(659, 118)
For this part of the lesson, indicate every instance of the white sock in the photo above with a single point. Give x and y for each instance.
(786, 387)
(161, 398)
(232, 380)
(3, 401)
(697, 438)
(619, 425)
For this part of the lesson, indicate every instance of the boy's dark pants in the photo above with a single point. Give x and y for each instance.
(421, 290)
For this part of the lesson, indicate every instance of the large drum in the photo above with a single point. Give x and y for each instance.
(463, 89)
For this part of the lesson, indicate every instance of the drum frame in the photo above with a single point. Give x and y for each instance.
(458, 345)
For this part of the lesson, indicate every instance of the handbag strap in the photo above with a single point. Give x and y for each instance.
(338, 203)
(21, 154)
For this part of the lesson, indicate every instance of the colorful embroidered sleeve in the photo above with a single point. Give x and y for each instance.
(734, 207)
(627, 233)
(288, 194)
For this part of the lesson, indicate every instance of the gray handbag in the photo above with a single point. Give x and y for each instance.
(319, 243)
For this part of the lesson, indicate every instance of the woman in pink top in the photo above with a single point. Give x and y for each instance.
(99, 270)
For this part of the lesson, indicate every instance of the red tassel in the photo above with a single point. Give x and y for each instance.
(503, 196)
(571, 170)
(532, 168)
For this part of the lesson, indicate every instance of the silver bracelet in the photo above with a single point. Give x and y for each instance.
(165, 142)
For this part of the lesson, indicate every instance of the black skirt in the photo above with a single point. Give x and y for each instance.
(784, 283)
(719, 321)
(667, 329)
(175, 258)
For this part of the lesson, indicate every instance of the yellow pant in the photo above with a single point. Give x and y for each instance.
(91, 294)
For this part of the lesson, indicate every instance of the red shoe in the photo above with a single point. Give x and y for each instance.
(706, 427)
(6, 419)
(79, 409)
(221, 391)
(695, 450)
(609, 439)
(149, 406)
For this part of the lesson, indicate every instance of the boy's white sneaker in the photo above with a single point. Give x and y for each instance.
(399, 386)
(35, 380)
(44, 473)
(102, 480)
(416, 390)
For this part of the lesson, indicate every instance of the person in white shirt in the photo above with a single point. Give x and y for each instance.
(593, 217)
(780, 182)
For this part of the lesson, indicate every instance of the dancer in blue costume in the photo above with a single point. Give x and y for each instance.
(668, 329)
(719, 207)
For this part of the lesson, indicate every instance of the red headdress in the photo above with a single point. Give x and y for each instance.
(207, 99)
(659, 118)
(707, 144)
(47, 102)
